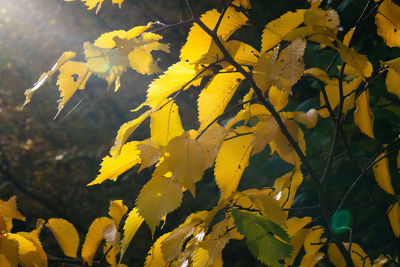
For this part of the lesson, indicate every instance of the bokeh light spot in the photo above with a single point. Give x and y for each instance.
(341, 221)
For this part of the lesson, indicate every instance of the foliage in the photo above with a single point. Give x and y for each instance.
(246, 107)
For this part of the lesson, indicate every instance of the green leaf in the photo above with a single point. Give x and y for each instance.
(261, 237)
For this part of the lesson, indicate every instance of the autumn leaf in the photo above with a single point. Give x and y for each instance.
(232, 159)
(165, 123)
(28, 255)
(211, 141)
(91, 4)
(382, 174)
(132, 224)
(312, 244)
(45, 76)
(8, 252)
(358, 256)
(214, 98)
(363, 116)
(185, 159)
(155, 256)
(112, 167)
(387, 20)
(158, 197)
(94, 237)
(9, 209)
(275, 31)
(117, 210)
(394, 218)
(66, 235)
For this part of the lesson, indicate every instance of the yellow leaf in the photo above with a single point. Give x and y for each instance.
(394, 64)
(348, 36)
(270, 207)
(211, 141)
(172, 245)
(263, 133)
(66, 235)
(125, 131)
(387, 20)
(8, 252)
(158, 197)
(38, 245)
(106, 39)
(332, 91)
(232, 159)
(380, 261)
(278, 98)
(242, 53)
(382, 175)
(357, 255)
(117, 210)
(392, 82)
(261, 71)
(199, 42)
(185, 159)
(94, 237)
(281, 145)
(73, 76)
(28, 255)
(289, 66)
(9, 209)
(275, 31)
(295, 224)
(132, 224)
(312, 244)
(139, 51)
(363, 116)
(308, 118)
(394, 218)
(112, 167)
(326, 18)
(106, 63)
(165, 123)
(155, 256)
(319, 74)
(46, 75)
(291, 182)
(177, 77)
(210, 249)
(93, 3)
(242, 3)
(216, 95)
(297, 242)
(112, 251)
(149, 153)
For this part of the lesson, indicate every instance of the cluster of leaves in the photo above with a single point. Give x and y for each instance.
(222, 67)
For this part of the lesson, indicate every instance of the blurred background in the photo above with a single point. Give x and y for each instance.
(47, 163)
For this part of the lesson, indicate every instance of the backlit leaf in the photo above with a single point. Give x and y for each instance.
(278, 98)
(28, 255)
(125, 131)
(112, 167)
(242, 3)
(290, 182)
(393, 82)
(214, 98)
(149, 153)
(9, 209)
(158, 197)
(267, 241)
(363, 116)
(232, 159)
(211, 141)
(275, 31)
(185, 159)
(117, 210)
(165, 124)
(97, 3)
(261, 71)
(66, 235)
(94, 237)
(155, 256)
(46, 75)
(263, 133)
(106, 39)
(312, 244)
(199, 42)
(8, 252)
(73, 76)
(177, 77)
(357, 255)
(326, 18)
(242, 53)
(387, 20)
(382, 175)
(289, 66)
(132, 224)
